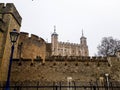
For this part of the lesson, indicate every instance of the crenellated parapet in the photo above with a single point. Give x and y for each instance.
(24, 35)
(68, 44)
(33, 39)
(58, 68)
(31, 46)
(78, 58)
(9, 8)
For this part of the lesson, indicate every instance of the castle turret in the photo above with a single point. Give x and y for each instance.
(54, 41)
(83, 39)
(9, 19)
(84, 47)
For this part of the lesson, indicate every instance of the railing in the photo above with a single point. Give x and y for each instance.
(61, 86)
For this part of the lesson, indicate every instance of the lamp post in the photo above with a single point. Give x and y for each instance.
(13, 37)
(69, 81)
(107, 81)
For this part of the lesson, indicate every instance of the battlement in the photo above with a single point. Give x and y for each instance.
(75, 59)
(9, 8)
(34, 39)
(82, 68)
(28, 36)
(25, 34)
(68, 43)
(78, 58)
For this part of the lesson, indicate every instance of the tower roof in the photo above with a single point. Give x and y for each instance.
(83, 35)
(54, 33)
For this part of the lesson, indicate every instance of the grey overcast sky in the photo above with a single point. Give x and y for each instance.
(97, 18)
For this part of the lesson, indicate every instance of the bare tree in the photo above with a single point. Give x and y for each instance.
(108, 46)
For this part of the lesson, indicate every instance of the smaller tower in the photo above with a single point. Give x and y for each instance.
(54, 41)
(83, 39)
(84, 47)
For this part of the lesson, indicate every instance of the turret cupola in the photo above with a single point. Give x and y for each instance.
(54, 33)
(83, 39)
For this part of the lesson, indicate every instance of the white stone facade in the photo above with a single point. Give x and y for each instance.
(68, 49)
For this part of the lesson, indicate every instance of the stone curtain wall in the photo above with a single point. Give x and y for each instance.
(56, 70)
(32, 47)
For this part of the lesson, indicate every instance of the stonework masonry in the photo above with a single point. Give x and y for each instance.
(68, 49)
(9, 20)
(34, 46)
(35, 59)
(57, 69)
(31, 47)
